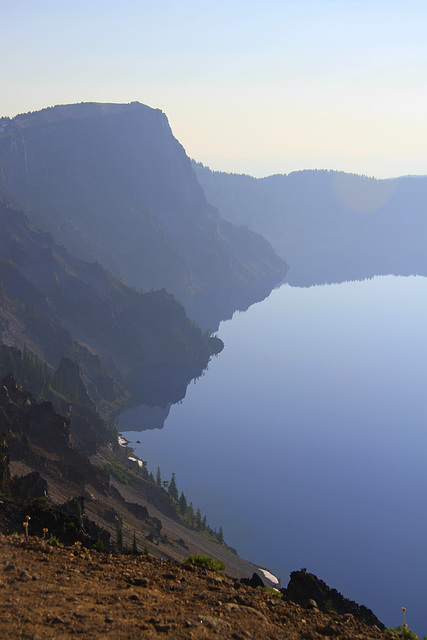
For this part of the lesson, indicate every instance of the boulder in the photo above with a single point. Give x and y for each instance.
(307, 590)
(255, 581)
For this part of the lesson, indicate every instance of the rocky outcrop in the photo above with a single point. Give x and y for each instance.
(40, 437)
(67, 522)
(307, 590)
(29, 487)
(30, 422)
(138, 510)
(255, 582)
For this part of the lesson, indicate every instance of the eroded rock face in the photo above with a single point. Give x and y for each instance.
(304, 588)
(29, 420)
(39, 436)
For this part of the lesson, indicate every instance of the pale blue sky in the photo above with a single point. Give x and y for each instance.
(255, 87)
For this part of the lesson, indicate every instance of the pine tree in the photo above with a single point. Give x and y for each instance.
(158, 477)
(190, 514)
(220, 536)
(134, 546)
(182, 504)
(198, 519)
(173, 491)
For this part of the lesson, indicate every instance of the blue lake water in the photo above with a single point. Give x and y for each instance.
(306, 439)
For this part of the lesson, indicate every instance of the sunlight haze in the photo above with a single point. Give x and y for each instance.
(248, 87)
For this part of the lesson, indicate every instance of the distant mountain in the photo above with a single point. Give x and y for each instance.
(58, 305)
(331, 226)
(113, 185)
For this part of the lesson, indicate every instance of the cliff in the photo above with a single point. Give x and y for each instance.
(113, 185)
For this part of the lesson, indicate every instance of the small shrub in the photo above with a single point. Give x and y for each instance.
(272, 592)
(121, 474)
(206, 561)
(329, 606)
(53, 540)
(99, 545)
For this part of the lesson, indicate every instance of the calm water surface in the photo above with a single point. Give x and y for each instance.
(306, 439)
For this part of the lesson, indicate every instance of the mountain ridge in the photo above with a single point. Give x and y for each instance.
(332, 226)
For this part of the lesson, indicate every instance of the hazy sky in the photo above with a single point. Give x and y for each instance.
(248, 86)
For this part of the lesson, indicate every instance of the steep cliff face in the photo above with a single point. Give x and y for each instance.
(113, 184)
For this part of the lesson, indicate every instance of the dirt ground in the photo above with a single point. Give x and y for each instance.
(50, 592)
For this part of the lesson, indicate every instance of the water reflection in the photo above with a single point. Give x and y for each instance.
(154, 390)
(217, 304)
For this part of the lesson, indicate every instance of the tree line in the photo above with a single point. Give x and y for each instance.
(188, 513)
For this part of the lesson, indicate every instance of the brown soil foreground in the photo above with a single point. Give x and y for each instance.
(49, 592)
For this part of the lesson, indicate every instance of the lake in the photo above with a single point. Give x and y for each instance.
(306, 439)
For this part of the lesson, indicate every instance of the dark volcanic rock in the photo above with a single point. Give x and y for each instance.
(304, 587)
(255, 581)
(138, 510)
(29, 487)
